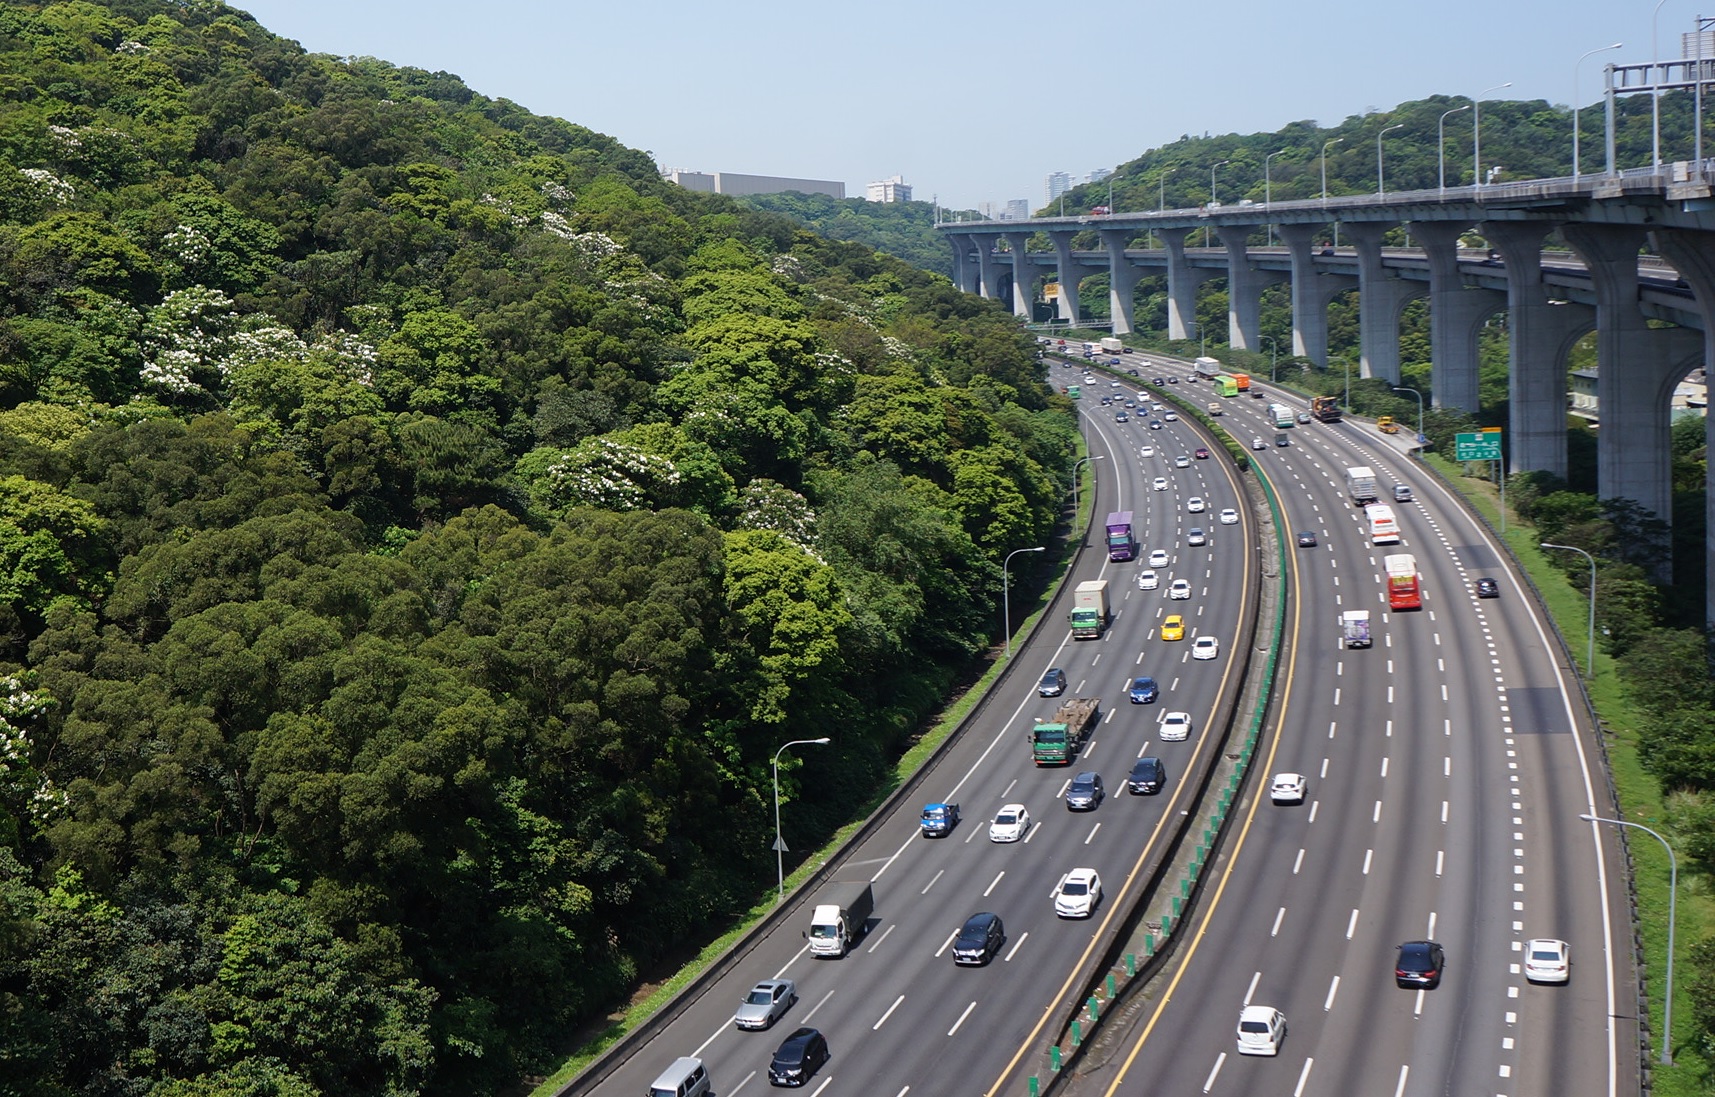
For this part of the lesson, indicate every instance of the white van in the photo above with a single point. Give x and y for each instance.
(1261, 1030)
(687, 1077)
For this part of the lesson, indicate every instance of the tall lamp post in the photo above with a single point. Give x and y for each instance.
(1655, 89)
(1590, 649)
(1268, 190)
(1477, 134)
(1441, 144)
(1082, 461)
(1347, 362)
(1419, 395)
(1672, 903)
(1325, 149)
(1006, 591)
(779, 842)
(1381, 187)
(1598, 49)
(1208, 238)
(1273, 356)
(1161, 188)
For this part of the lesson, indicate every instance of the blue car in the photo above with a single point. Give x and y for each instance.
(1144, 691)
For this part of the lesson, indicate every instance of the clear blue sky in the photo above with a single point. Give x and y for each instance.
(974, 101)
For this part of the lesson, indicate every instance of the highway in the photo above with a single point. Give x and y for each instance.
(898, 1014)
(1447, 767)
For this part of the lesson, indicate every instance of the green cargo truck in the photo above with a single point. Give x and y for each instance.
(1058, 739)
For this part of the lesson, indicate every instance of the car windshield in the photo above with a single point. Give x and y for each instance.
(1075, 887)
(758, 997)
(1006, 818)
(1252, 1026)
(1083, 786)
(1053, 735)
(1545, 954)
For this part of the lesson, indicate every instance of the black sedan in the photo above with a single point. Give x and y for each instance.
(1420, 965)
(1488, 588)
(803, 1053)
(1306, 539)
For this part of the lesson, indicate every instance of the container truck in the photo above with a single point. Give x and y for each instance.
(1243, 380)
(1208, 367)
(1058, 739)
(1112, 345)
(1325, 409)
(1361, 485)
(1121, 544)
(1403, 584)
(840, 918)
(1090, 609)
(1355, 628)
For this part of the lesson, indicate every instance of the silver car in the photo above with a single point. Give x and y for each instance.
(766, 1003)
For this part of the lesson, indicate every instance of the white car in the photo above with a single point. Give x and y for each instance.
(1179, 590)
(1011, 824)
(1176, 727)
(1195, 505)
(1261, 1029)
(1547, 960)
(1158, 558)
(1205, 647)
(1182, 462)
(1147, 580)
(1196, 537)
(1287, 788)
(1146, 452)
(1258, 443)
(1160, 483)
(1077, 893)
(1116, 384)
(1229, 517)
(1171, 417)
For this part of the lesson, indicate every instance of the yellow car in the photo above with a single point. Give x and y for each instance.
(1173, 628)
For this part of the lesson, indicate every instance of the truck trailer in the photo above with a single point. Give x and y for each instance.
(1361, 485)
(1112, 345)
(1355, 628)
(1058, 739)
(840, 918)
(1122, 545)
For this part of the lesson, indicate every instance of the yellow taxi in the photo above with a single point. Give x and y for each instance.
(1173, 628)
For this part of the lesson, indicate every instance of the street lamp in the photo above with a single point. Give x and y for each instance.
(1082, 461)
(779, 842)
(1208, 240)
(1006, 591)
(1161, 188)
(1441, 144)
(1273, 356)
(1477, 134)
(1419, 395)
(1347, 362)
(1325, 149)
(1598, 49)
(1268, 190)
(1590, 654)
(1672, 903)
(1381, 189)
(1655, 88)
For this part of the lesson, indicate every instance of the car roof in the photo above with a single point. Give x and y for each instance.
(1086, 775)
(772, 983)
(981, 918)
(1257, 1013)
(801, 1036)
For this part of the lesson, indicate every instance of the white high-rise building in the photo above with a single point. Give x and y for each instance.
(894, 189)
(1018, 209)
(1099, 174)
(1057, 183)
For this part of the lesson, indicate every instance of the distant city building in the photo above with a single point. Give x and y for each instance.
(1058, 183)
(894, 189)
(986, 210)
(1099, 174)
(730, 182)
(1018, 209)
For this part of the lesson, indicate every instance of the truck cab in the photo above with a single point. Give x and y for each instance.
(939, 820)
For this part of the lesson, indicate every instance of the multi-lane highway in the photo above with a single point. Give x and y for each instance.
(898, 1014)
(1447, 766)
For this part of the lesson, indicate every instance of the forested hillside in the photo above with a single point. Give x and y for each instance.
(904, 229)
(420, 526)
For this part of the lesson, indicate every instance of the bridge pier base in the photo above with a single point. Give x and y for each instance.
(988, 274)
(1693, 256)
(1182, 282)
(1539, 333)
(1245, 283)
(1023, 275)
(1381, 297)
(1122, 279)
(1457, 314)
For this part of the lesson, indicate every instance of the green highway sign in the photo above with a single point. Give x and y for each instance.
(1484, 446)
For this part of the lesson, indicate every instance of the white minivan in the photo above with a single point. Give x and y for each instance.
(1261, 1030)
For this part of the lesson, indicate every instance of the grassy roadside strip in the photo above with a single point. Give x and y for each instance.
(903, 769)
(1641, 800)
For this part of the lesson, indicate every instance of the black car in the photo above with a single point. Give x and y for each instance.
(1488, 588)
(800, 1056)
(1085, 792)
(1420, 965)
(1173, 380)
(1258, 394)
(1147, 776)
(1306, 539)
(1053, 683)
(1282, 440)
(1159, 381)
(979, 940)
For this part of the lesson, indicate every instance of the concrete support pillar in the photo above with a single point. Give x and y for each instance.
(1693, 256)
(1381, 296)
(1182, 281)
(966, 272)
(1245, 283)
(988, 275)
(1023, 274)
(1312, 290)
(1538, 330)
(1071, 270)
(1122, 278)
(1637, 369)
(1457, 313)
